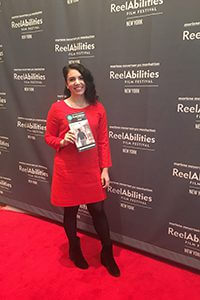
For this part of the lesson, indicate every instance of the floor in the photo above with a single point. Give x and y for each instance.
(7, 207)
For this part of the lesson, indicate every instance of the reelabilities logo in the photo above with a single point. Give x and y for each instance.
(5, 184)
(4, 143)
(139, 74)
(31, 125)
(186, 175)
(191, 36)
(1, 53)
(26, 23)
(72, 1)
(135, 4)
(2, 100)
(183, 235)
(130, 194)
(29, 76)
(33, 171)
(74, 47)
(136, 137)
(195, 109)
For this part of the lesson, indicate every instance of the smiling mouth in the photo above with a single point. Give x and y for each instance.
(78, 88)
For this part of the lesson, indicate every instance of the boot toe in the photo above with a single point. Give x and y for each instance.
(113, 270)
(109, 263)
(79, 261)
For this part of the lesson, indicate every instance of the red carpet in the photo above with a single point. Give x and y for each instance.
(34, 265)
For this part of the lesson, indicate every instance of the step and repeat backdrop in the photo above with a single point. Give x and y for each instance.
(144, 55)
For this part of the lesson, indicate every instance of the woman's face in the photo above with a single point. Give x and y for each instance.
(75, 83)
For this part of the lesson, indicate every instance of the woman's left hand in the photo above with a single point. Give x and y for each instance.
(105, 179)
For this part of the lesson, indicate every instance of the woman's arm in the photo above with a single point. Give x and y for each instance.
(103, 141)
(52, 129)
(105, 179)
(104, 149)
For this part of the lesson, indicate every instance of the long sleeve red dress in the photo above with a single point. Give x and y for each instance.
(77, 175)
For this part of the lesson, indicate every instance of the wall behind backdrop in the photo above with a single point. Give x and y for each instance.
(144, 55)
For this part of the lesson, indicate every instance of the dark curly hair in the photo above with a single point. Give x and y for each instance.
(90, 91)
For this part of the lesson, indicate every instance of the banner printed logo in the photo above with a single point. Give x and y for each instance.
(32, 78)
(3, 100)
(188, 237)
(83, 214)
(5, 186)
(137, 11)
(136, 77)
(132, 196)
(76, 48)
(1, 54)
(69, 2)
(35, 174)
(189, 106)
(191, 31)
(29, 24)
(4, 144)
(35, 127)
(133, 140)
(190, 174)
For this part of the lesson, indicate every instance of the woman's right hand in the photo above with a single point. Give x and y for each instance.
(68, 138)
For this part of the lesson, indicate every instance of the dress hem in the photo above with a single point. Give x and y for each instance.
(75, 204)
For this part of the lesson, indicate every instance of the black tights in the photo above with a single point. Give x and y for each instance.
(99, 218)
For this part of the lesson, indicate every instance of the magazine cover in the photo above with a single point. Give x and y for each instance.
(78, 123)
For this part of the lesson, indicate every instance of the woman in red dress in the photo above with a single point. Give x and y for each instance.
(81, 177)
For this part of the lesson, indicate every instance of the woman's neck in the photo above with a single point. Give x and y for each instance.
(76, 102)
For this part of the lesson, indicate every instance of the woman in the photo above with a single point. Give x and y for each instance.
(81, 177)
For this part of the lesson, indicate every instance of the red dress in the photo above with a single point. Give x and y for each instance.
(76, 175)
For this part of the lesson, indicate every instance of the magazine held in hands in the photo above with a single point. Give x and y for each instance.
(78, 123)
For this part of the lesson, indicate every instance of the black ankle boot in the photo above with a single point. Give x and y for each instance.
(108, 261)
(76, 255)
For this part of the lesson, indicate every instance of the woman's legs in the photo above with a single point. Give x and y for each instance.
(70, 222)
(102, 228)
(70, 226)
(100, 221)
